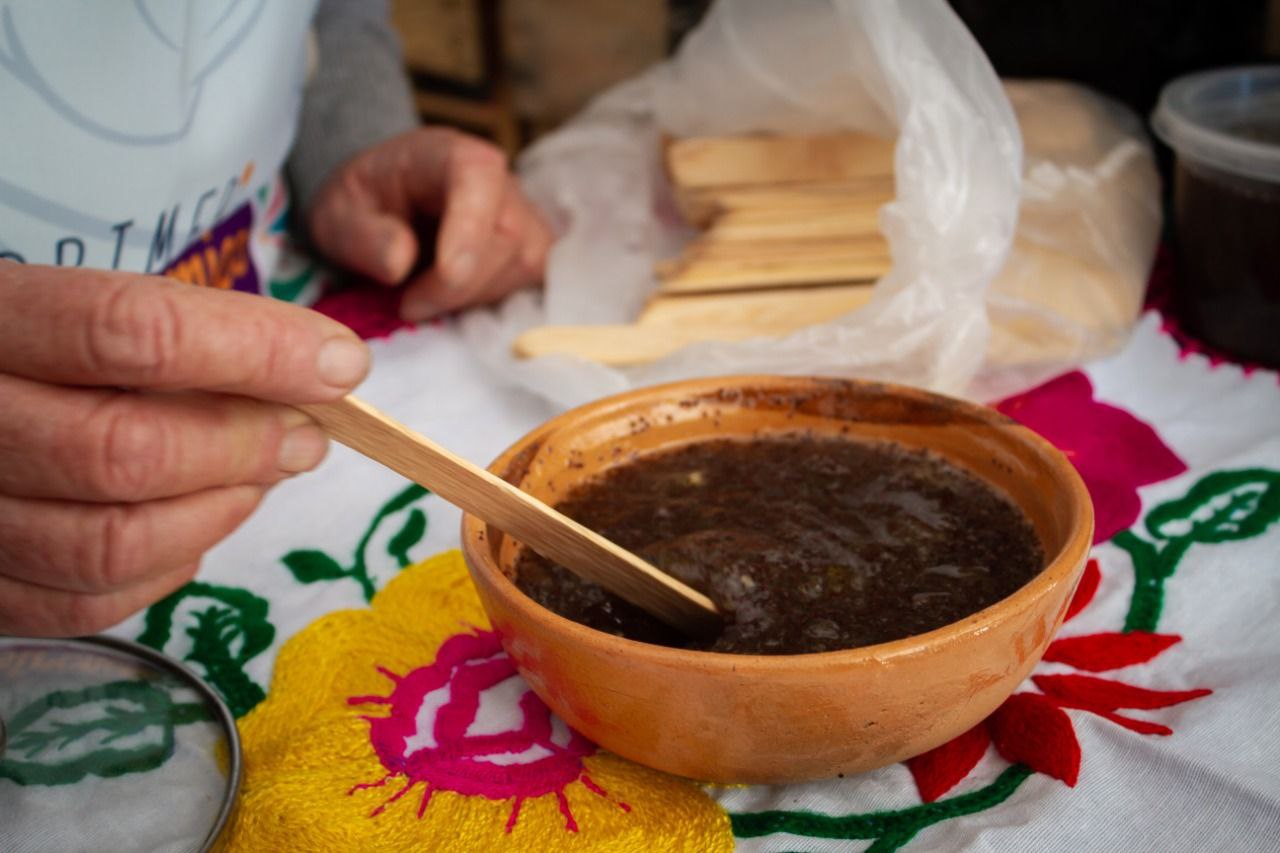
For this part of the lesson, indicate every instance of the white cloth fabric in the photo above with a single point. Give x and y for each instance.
(1212, 784)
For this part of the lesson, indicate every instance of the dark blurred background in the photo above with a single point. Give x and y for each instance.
(1125, 48)
(513, 69)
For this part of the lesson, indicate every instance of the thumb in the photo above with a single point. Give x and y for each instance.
(363, 239)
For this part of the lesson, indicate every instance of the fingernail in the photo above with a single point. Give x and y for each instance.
(397, 257)
(343, 362)
(460, 268)
(302, 449)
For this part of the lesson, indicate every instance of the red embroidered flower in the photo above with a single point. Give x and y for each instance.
(369, 310)
(1033, 729)
(1114, 452)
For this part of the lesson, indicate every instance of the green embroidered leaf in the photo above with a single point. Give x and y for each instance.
(1222, 507)
(227, 627)
(213, 637)
(312, 566)
(410, 534)
(252, 633)
(105, 730)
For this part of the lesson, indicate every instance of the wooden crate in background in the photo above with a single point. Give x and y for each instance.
(511, 70)
(451, 48)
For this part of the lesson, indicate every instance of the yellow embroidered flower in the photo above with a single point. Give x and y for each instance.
(406, 727)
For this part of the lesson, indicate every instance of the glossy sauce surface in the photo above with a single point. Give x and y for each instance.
(807, 544)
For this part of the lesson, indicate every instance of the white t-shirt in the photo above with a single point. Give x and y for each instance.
(150, 135)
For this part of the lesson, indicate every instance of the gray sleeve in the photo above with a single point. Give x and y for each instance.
(358, 96)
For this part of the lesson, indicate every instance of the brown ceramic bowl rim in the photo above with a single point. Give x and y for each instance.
(1058, 568)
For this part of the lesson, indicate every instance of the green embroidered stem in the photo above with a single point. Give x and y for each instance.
(116, 724)
(310, 566)
(891, 829)
(1152, 566)
(412, 493)
(367, 587)
(414, 528)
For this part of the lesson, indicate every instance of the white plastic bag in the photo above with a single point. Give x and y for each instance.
(1088, 224)
(909, 70)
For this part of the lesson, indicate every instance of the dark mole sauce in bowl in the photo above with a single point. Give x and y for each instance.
(806, 544)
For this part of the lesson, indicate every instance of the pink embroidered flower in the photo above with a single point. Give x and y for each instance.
(404, 726)
(1114, 452)
(436, 736)
(369, 310)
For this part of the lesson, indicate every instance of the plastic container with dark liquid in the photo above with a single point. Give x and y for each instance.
(1224, 127)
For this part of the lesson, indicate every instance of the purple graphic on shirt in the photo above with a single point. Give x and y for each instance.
(220, 258)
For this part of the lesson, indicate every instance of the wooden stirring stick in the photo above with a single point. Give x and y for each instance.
(554, 535)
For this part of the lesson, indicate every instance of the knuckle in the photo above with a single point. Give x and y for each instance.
(114, 553)
(513, 219)
(133, 332)
(272, 359)
(130, 452)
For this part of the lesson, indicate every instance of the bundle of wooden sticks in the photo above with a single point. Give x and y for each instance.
(789, 238)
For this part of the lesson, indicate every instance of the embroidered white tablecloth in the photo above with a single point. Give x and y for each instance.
(1151, 725)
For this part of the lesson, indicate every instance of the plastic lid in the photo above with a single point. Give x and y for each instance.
(1228, 119)
(110, 746)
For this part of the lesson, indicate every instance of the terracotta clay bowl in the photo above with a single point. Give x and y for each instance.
(785, 718)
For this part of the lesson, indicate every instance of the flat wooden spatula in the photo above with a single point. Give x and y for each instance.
(552, 534)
